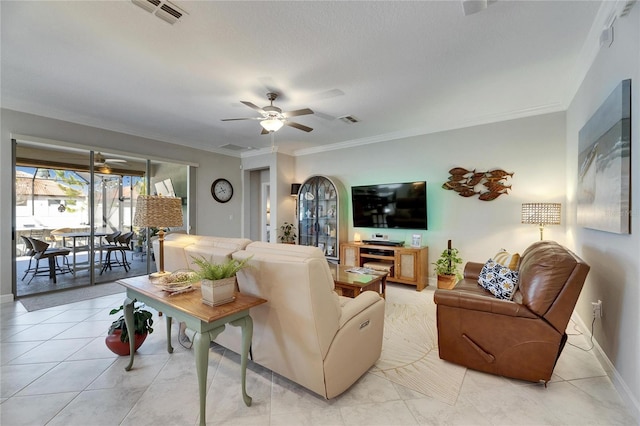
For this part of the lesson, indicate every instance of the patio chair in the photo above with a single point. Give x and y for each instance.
(28, 251)
(122, 244)
(40, 250)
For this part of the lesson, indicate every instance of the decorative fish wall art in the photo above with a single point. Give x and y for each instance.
(487, 185)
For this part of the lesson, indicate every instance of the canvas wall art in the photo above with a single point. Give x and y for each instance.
(604, 165)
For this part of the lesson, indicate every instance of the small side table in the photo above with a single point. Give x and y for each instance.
(206, 321)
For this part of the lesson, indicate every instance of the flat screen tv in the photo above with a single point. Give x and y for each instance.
(390, 205)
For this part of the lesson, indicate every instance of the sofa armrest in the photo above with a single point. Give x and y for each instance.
(352, 307)
(476, 302)
(472, 270)
(358, 343)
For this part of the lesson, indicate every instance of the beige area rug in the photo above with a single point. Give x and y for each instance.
(410, 346)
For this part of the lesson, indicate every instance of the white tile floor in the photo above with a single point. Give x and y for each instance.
(56, 370)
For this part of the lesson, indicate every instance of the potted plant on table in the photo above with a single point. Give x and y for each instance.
(288, 233)
(217, 280)
(447, 267)
(118, 339)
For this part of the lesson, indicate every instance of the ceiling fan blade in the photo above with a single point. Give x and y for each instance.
(236, 119)
(264, 132)
(305, 111)
(298, 126)
(253, 106)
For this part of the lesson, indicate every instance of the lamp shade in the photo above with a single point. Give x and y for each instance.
(158, 211)
(295, 187)
(271, 124)
(541, 213)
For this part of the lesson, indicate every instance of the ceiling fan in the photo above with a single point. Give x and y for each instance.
(273, 118)
(101, 160)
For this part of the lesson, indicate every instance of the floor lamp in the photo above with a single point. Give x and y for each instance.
(541, 214)
(158, 212)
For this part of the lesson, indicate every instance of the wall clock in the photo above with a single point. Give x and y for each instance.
(221, 190)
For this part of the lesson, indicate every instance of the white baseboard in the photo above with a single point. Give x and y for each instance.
(618, 382)
(6, 298)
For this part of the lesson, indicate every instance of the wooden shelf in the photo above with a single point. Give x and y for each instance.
(410, 264)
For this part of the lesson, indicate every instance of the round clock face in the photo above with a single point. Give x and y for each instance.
(221, 190)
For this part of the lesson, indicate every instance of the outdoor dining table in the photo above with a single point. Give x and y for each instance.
(75, 248)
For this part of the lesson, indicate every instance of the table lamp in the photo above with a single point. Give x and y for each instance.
(158, 212)
(541, 214)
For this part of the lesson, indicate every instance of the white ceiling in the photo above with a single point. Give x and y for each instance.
(401, 68)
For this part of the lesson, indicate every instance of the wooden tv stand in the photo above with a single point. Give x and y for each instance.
(410, 264)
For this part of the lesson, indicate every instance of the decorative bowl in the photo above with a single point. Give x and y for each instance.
(178, 281)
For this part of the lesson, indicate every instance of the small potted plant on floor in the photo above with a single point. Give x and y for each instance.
(217, 280)
(446, 267)
(288, 233)
(118, 339)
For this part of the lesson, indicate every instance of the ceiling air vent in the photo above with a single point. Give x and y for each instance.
(164, 10)
(148, 5)
(349, 119)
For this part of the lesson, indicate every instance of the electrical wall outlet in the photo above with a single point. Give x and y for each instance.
(597, 309)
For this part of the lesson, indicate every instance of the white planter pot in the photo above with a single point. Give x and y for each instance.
(218, 292)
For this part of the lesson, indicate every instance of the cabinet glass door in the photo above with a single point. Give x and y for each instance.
(318, 215)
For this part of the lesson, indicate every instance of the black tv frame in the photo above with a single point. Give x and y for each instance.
(401, 205)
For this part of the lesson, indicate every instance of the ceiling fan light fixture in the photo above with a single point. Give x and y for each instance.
(271, 124)
(104, 169)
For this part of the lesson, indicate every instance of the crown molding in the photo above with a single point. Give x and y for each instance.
(443, 127)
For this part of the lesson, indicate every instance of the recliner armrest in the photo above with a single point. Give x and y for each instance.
(472, 270)
(354, 306)
(477, 302)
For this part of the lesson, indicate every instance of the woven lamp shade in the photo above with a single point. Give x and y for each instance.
(541, 213)
(158, 212)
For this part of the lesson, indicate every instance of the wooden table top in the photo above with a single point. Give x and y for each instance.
(341, 276)
(191, 302)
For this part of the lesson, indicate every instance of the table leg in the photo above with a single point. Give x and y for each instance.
(246, 323)
(52, 268)
(74, 255)
(384, 285)
(201, 343)
(169, 347)
(129, 322)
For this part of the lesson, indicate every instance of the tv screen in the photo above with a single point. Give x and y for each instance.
(393, 205)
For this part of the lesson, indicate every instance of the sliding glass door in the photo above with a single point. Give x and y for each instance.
(79, 205)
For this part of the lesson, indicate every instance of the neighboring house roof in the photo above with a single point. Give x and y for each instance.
(42, 187)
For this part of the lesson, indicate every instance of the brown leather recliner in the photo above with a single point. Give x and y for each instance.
(522, 338)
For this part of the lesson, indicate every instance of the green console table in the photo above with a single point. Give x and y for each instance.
(206, 321)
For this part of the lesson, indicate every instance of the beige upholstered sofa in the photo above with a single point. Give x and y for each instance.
(180, 249)
(305, 332)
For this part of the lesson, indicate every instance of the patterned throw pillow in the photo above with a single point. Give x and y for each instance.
(507, 259)
(501, 281)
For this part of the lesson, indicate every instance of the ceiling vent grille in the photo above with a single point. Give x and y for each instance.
(164, 10)
(349, 119)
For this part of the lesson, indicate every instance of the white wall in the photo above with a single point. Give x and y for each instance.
(532, 148)
(615, 259)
